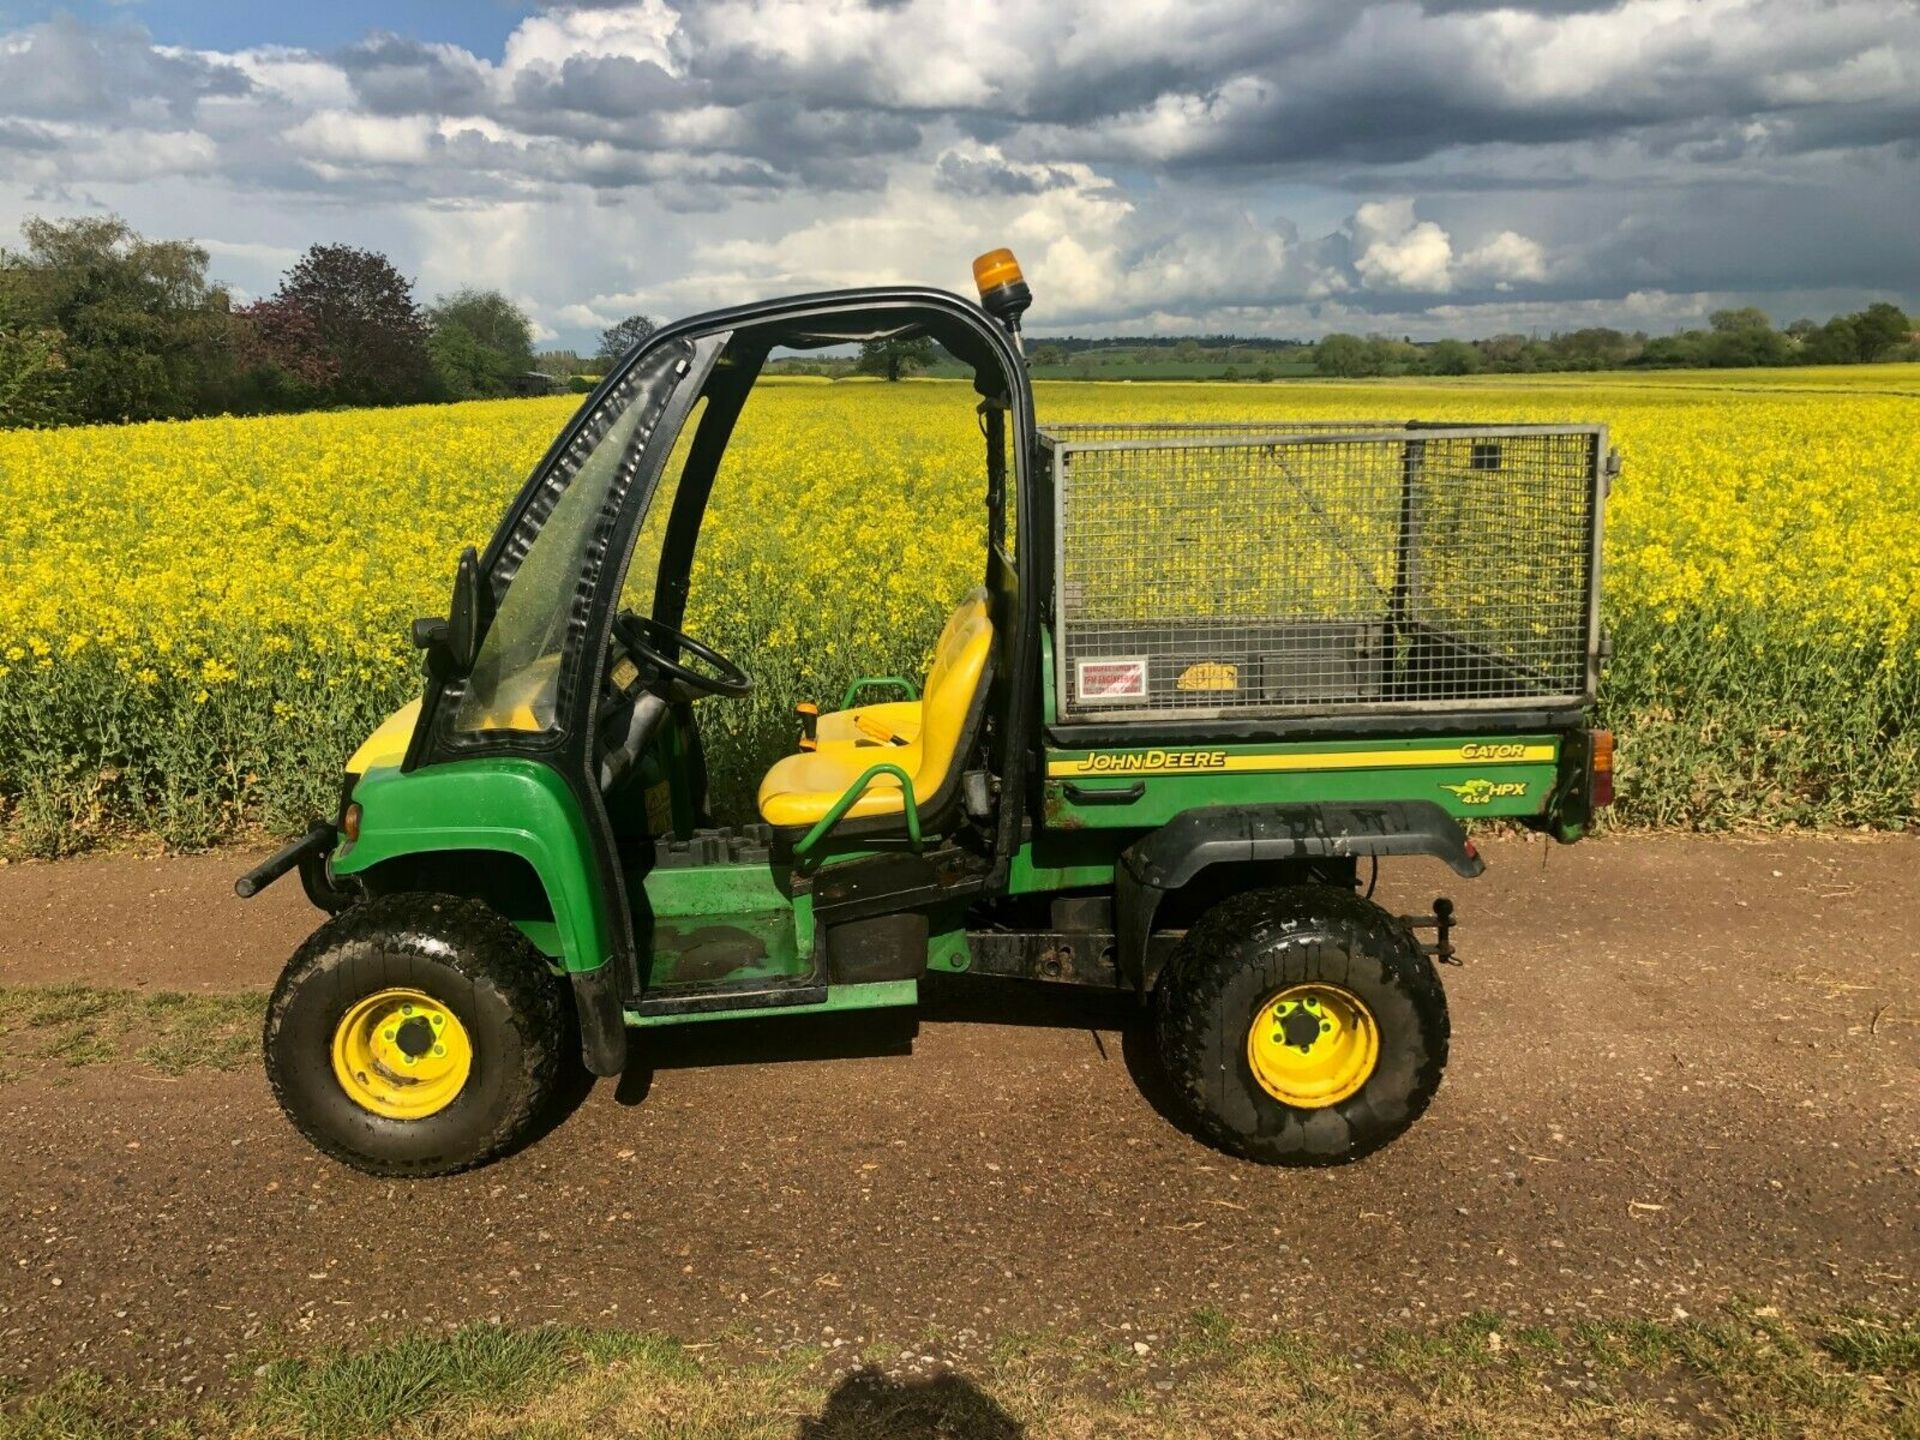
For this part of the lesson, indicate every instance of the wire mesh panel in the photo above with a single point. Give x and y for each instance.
(1091, 432)
(1219, 573)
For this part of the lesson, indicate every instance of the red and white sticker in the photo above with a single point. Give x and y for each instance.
(1117, 679)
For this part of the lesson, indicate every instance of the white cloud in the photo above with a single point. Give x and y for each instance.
(294, 76)
(1507, 259)
(57, 153)
(1399, 252)
(641, 31)
(1234, 163)
(344, 138)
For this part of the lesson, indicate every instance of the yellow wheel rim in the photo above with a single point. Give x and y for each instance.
(402, 1054)
(1314, 1045)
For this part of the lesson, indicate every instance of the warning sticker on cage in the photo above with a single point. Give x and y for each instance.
(1115, 679)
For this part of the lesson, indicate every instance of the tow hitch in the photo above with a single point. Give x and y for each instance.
(308, 854)
(1441, 922)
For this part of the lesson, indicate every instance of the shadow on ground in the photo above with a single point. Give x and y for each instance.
(867, 1405)
(944, 1000)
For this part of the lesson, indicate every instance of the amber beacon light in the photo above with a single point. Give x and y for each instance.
(1003, 289)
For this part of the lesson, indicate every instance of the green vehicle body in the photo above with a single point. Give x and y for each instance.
(521, 808)
(1068, 821)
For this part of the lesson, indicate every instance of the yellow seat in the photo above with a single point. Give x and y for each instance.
(801, 788)
(895, 719)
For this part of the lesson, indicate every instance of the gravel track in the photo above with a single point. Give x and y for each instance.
(1683, 1071)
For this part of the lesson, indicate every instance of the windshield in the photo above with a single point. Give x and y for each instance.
(514, 684)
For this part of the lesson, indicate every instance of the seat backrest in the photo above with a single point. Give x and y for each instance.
(952, 695)
(962, 616)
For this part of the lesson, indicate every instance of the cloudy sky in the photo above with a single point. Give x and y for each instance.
(1259, 166)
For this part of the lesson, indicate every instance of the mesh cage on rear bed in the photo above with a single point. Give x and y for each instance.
(1221, 571)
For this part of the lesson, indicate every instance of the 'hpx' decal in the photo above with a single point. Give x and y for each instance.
(1485, 792)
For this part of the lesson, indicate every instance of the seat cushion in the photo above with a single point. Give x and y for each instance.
(801, 788)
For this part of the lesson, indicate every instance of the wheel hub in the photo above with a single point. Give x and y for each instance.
(414, 1037)
(1313, 1045)
(401, 1054)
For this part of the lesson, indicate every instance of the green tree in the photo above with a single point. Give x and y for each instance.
(366, 323)
(1833, 343)
(1878, 328)
(617, 340)
(561, 364)
(894, 358)
(1452, 357)
(1343, 355)
(1743, 337)
(1049, 355)
(481, 343)
(1595, 348)
(1683, 350)
(1508, 351)
(33, 366)
(142, 334)
(1386, 355)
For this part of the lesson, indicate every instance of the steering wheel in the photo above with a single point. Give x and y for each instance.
(652, 641)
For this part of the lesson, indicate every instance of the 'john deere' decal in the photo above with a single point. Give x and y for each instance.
(1152, 760)
(1485, 792)
(1283, 761)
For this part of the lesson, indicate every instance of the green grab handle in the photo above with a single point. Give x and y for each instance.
(868, 681)
(845, 803)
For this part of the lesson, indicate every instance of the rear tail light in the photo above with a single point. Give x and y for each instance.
(1600, 768)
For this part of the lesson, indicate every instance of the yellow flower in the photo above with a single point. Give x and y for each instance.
(1761, 531)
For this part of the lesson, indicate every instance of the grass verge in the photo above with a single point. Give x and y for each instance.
(1746, 1372)
(75, 1025)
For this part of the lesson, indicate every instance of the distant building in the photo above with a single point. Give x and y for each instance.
(536, 382)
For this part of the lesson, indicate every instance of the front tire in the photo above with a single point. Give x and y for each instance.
(1301, 1026)
(416, 1035)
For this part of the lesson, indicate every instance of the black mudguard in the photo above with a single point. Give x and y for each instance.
(1168, 858)
(603, 1021)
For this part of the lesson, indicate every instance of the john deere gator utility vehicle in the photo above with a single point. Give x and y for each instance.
(1211, 675)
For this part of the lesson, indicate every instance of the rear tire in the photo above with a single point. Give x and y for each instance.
(1363, 1003)
(491, 998)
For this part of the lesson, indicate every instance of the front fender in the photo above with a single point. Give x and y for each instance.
(518, 806)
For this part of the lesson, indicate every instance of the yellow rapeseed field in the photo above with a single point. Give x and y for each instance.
(197, 620)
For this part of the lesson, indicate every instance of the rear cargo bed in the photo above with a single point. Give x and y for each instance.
(1323, 577)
